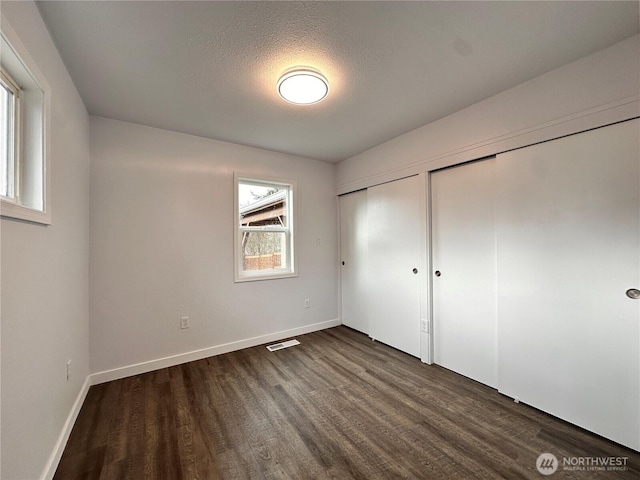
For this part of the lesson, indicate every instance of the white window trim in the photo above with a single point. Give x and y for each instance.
(290, 272)
(12, 208)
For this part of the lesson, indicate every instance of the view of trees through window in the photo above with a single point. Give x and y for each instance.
(263, 221)
(252, 193)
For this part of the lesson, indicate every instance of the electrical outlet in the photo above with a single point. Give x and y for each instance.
(307, 303)
(68, 370)
(318, 241)
(424, 325)
(184, 322)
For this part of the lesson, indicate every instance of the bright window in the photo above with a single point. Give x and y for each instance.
(10, 95)
(24, 117)
(264, 243)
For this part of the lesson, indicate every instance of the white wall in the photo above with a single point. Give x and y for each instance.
(162, 247)
(594, 91)
(45, 278)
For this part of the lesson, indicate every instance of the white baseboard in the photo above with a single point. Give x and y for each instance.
(54, 459)
(144, 367)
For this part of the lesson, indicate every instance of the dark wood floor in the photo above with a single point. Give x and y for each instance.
(336, 406)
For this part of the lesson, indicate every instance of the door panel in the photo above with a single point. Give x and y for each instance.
(354, 254)
(395, 246)
(464, 253)
(569, 247)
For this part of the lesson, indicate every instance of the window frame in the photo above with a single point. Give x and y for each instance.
(291, 269)
(32, 168)
(15, 136)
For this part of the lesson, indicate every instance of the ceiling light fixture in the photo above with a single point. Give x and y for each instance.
(303, 86)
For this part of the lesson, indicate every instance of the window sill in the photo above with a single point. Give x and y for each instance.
(20, 212)
(258, 277)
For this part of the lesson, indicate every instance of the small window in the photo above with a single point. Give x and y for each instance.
(24, 116)
(264, 244)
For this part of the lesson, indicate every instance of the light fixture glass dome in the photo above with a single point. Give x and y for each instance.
(303, 86)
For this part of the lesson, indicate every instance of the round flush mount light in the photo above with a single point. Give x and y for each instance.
(303, 86)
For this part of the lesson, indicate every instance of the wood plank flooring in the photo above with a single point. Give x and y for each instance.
(337, 406)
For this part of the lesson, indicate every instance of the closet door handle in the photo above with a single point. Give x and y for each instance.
(633, 293)
(415, 270)
(438, 273)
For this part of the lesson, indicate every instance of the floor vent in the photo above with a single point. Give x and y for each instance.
(281, 345)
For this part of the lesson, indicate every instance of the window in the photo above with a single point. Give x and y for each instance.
(10, 95)
(24, 110)
(264, 240)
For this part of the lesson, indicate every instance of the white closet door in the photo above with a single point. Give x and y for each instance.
(353, 253)
(569, 248)
(395, 212)
(464, 255)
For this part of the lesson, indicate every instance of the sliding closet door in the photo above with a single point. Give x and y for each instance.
(354, 253)
(396, 249)
(569, 251)
(464, 270)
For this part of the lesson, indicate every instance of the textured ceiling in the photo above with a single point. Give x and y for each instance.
(210, 68)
